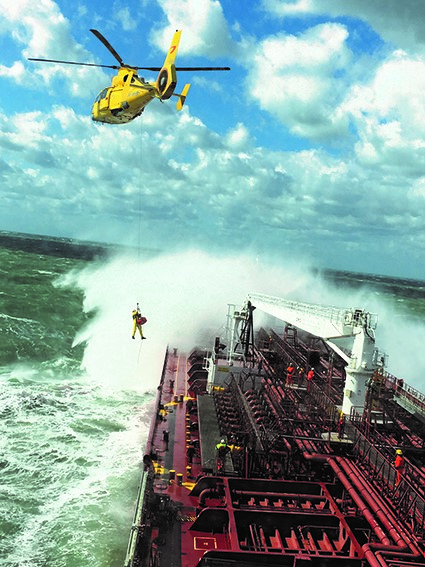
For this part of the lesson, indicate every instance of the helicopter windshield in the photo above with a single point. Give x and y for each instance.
(135, 79)
(101, 95)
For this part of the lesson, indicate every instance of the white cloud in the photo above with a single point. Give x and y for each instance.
(291, 8)
(395, 21)
(389, 116)
(126, 18)
(108, 187)
(16, 72)
(397, 88)
(417, 190)
(311, 83)
(205, 29)
(299, 79)
(42, 31)
(238, 137)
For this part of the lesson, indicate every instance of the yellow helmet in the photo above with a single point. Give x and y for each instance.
(399, 452)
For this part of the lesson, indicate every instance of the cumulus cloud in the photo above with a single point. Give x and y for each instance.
(16, 72)
(299, 79)
(206, 31)
(311, 84)
(390, 117)
(146, 189)
(397, 22)
(42, 31)
(126, 18)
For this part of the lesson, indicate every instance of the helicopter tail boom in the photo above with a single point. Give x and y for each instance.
(167, 77)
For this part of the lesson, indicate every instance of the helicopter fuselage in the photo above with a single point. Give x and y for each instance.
(124, 100)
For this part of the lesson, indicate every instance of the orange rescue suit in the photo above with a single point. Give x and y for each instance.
(399, 466)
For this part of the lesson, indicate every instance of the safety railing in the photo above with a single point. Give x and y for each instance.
(379, 470)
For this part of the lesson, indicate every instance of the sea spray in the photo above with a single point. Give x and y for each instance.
(185, 296)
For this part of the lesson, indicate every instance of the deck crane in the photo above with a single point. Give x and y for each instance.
(349, 332)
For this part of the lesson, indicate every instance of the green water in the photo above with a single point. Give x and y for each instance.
(69, 448)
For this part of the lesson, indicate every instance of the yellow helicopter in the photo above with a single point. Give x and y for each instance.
(129, 94)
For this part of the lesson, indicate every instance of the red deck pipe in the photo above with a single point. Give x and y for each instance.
(377, 551)
(400, 554)
(315, 456)
(305, 445)
(376, 506)
(359, 502)
(364, 491)
(383, 512)
(271, 406)
(372, 559)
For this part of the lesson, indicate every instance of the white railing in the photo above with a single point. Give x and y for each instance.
(337, 317)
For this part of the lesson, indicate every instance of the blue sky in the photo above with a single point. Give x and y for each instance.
(311, 147)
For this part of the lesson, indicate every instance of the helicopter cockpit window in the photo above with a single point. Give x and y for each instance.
(101, 95)
(135, 79)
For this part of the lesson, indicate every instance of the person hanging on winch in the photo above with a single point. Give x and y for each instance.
(138, 321)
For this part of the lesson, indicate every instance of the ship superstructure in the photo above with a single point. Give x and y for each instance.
(311, 421)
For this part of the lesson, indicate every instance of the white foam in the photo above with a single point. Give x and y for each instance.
(182, 294)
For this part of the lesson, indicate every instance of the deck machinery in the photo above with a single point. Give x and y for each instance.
(309, 477)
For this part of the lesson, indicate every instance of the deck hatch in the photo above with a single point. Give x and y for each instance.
(205, 543)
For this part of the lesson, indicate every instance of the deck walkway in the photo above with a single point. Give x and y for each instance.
(209, 433)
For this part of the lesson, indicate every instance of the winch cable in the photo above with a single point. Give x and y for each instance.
(139, 169)
(139, 205)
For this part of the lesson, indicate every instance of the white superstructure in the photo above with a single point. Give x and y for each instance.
(349, 332)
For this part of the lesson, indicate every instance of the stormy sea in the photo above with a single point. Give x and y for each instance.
(76, 392)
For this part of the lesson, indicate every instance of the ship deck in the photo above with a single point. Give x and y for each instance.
(295, 490)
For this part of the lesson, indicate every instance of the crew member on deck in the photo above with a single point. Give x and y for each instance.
(138, 321)
(399, 464)
(341, 426)
(300, 372)
(310, 377)
(222, 449)
(290, 374)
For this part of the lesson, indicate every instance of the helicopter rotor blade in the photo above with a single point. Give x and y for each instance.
(146, 68)
(130, 67)
(202, 68)
(185, 68)
(73, 63)
(108, 46)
